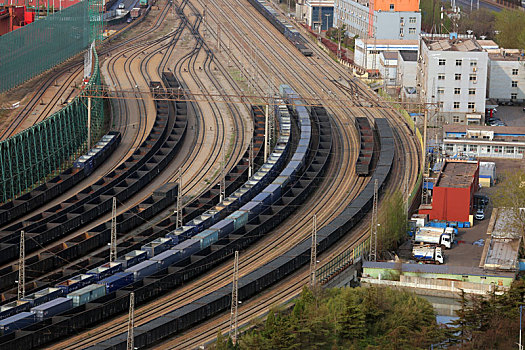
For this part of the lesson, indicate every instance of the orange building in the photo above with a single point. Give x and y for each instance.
(396, 5)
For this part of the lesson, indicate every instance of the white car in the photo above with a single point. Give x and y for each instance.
(480, 215)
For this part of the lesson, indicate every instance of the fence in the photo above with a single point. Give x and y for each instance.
(31, 156)
(41, 45)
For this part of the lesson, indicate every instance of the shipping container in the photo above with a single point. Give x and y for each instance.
(240, 218)
(181, 232)
(188, 247)
(224, 227)
(253, 209)
(75, 283)
(144, 269)
(264, 197)
(167, 258)
(105, 270)
(13, 308)
(207, 238)
(117, 281)
(43, 296)
(15, 322)
(52, 308)
(87, 294)
(132, 258)
(157, 246)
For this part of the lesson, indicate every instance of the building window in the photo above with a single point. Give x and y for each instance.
(457, 76)
(455, 119)
(513, 96)
(441, 76)
(411, 30)
(458, 62)
(456, 105)
(401, 31)
(472, 77)
(440, 104)
(514, 72)
(457, 91)
(402, 20)
(449, 147)
(442, 61)
(473, 148)
(514, 83)
(441, 91)
(391, 7)
(488, 149)
(473, 63)
(412, 20)
(497, 149)
(471, 105)
(521, 150)
(509, 149)
(472, 91)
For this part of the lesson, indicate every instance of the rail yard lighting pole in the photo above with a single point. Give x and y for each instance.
(266, 132)
(89, 124)
(520, 347)
(327, 16)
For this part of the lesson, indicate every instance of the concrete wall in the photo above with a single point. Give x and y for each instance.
(500, 80)
(406, 72)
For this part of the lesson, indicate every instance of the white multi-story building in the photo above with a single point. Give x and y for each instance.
(452, 75)
(367, 51)
(506, 76)
(393, 19)
(388, 67)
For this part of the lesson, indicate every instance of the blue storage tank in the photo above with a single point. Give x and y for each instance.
(224, 227)
(207, 238)
(240, 218)
(144, 269)
(75, 283)
(43, 296)
(132, 258)
(167, 258)
(52, 308)
(188, 247)
(117, 281)
(87, 294)
(16, 322)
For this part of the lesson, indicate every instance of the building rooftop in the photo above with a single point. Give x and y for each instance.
(408, 55)
(506, 55)
(458, 174)
(502, 254)
(498, 130)
(390, 55)
(461, 44)
(389, 42)
(501, 224)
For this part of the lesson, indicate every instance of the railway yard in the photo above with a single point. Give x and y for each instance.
(185, 93)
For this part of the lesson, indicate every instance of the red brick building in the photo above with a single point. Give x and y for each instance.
(453, 192)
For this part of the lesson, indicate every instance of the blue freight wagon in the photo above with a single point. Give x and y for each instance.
(224, 227)
(132, 258)
(157, 246)
(188, 247)
(240, 218)
(87, 294)
(52, 308)
(13, 308)
(166, 258)
(144, 269)
(253, 209)
(274, 190)
(264, 197)
(15, 322)
(75, 283)
(117, 281)
(207, 238)
(43, 296)
(105, 270)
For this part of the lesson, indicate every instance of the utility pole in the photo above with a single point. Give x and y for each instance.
(250, 159)
(22, 268)
(179, 201)
(266, 132)
(89, 124)
(235, 298)
(313, 252)
(113, 244)
(373, 228)
(131, 321)
(222, 183)
(425, 122)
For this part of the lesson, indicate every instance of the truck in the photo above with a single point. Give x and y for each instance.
(428, 254)
(436, 236)
(135, 12)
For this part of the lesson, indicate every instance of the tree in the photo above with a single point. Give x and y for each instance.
(481, 22)
(392, 221)
(510, 25)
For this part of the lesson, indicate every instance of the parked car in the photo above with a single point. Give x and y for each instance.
(480, 215)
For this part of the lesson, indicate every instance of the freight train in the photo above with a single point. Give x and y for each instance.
(282, 26)
(262, 190)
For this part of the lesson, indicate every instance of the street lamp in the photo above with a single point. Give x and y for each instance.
(327, 15)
